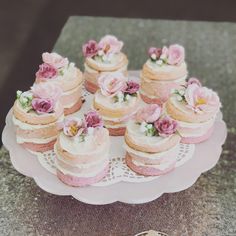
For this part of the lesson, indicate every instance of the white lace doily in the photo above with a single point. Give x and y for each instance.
(118, 169)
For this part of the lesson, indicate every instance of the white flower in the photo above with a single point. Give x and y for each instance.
(159, 62)
(163, 56)
(154, 56)
(179, 98)
(120, 96)
(100, 53)
(127, 97)
(181, 92)
(143, 127)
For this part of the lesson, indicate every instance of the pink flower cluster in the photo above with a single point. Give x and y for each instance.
(113, 83)
(76, 127)
(174, 55)
(52, 64)
(45, 97)
(151, 114)
(109, 44)
(200, 98)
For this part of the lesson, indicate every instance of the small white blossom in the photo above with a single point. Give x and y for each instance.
(159, 62)
(154, 56)
(143, 127)
(127, 97)
(179, 98)
(120, 97)
(149, 126)
(181, 92)
(163, 56)
(100, 53)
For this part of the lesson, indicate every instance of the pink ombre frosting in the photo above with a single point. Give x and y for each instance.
(201, 98)
(149, 113)
(112, 83)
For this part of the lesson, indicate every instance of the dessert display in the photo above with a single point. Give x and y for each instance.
(102, 57)
(36, 114)
(58, 70)
(151, 142)
(164, 71)
(82, 150)
(117, 101)
(195, 108)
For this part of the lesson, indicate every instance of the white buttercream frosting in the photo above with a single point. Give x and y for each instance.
(135, 133)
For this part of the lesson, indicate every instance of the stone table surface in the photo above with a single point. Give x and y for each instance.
(207, 208)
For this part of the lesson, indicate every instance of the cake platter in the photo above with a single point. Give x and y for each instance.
(121, 184)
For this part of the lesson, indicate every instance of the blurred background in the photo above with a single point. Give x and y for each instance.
(30, 27)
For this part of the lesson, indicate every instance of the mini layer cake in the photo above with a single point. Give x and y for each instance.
(57, 69)
(82, 150)
(164, 71)
(116, 101)
(36, 114)
(102, 57)
(195, 108)
(151, 142)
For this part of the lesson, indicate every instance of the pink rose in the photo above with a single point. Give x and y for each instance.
(110, 44)
(131, 87)
(74, 127)
(47, 91)
(46, 71)
(42, 105)
(149, 113)
(93, 119)
(201, 98)
(156, 51)
(194, 81)
(176, 54)
(90, 48)
(166, 126)
(112, 83)
(55, 60)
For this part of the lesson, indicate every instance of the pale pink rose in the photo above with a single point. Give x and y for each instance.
(156, 51)
(74, 127)
(112, 83)
(93, 119)
(46, 91)
(42, 105)
(110, 44)
(194, 81)
(166, 126)
(46, 71)
(149, 113)
(176, 54)
(55, 60)
(90, 48)
(201, 98)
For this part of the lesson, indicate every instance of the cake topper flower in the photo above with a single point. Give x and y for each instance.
(53, 65)
(55, 60)
(41, 98)
(74, 127)
(82, 128)
(166, 126)
(174, 55)
(197, 97)
(102, 50)
(117, 86)
(153, 123)
(93, 119)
